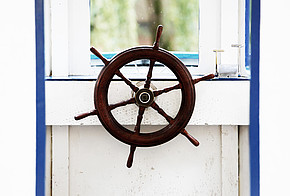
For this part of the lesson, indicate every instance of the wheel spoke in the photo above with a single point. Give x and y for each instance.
(128, 82)
(123, 103)
(189, 137)
(98, 54)
(166, 90)
(131, 156)
(170, 120)
(149, 75)
(137, 131)
(84, 115)
(158, 36)
(162, 113)
(139, 119)
(207, 77)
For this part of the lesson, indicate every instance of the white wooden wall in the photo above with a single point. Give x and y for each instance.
(83, 159)
(86, 160)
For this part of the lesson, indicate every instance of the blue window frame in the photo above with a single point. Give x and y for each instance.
(183, 56)
(254, 100)
(40, 99)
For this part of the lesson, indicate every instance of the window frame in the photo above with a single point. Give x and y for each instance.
(221, 24)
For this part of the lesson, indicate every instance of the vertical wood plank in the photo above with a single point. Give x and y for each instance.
(98, 164)
(244, 161)
(241, 31)
(48, 161)
(229, 159)
(60, 161)
(229, 30)
(47, 37)
(209, 34)
(79, 37)
(59, 37)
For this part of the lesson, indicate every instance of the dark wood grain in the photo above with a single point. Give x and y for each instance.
(166, 90)
(123, 103)
(98, 54)
(207, 77)
(158, 36)
(189, 137)
(139, 119)
(131, 156)
(162, 113)
(128, 82)
(149, 74)
(84, 115)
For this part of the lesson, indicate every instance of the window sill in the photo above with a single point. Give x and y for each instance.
(94, 78)
(218, 102)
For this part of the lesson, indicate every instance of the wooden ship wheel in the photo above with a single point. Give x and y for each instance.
(144, 97)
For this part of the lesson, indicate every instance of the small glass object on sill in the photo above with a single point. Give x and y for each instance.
(228, 70)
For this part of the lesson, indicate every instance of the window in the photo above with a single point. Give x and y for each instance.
(118, 25)
(217, 25)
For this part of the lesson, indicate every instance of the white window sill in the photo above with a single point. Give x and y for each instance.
(218, 102)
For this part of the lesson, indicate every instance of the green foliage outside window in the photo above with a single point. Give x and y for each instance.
(119, 24)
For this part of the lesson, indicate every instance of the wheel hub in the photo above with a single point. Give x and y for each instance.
(144, 97)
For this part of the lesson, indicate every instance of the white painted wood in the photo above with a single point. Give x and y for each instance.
(241, 34)
(244, 161)
(79, 37)
(217, 103)
(60, 161)
(47, 37)
(229, 31)
(98, 164)
(229, 160)
(59, 38)
(209, 34)
(48, 158)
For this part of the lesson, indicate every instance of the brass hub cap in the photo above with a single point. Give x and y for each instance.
(144, 97)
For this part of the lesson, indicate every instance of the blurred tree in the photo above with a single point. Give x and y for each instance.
(113, 24)
(119, 24)
(181, 19)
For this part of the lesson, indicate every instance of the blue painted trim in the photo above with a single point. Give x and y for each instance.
(106, 55)
(254, 100)
(94, 78)
(185, 55)
(40, 99)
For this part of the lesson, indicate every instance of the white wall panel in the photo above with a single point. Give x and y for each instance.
(98, 164)
(217, 103)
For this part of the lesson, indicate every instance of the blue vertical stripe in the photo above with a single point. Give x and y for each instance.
(254, 100)
(40, 99)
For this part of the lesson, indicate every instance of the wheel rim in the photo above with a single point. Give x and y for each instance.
(145, 139)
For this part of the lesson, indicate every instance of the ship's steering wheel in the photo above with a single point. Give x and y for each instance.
(144, 97)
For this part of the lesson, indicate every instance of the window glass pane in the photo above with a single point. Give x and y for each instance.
(118, 24)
